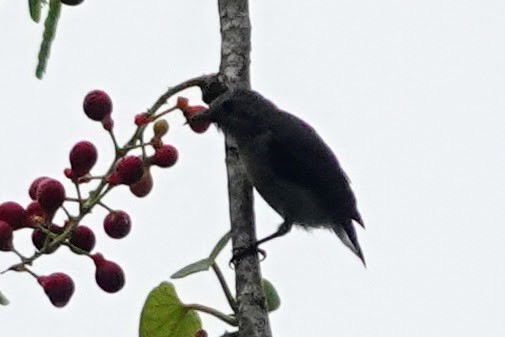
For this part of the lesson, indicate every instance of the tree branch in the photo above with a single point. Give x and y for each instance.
(252, 314)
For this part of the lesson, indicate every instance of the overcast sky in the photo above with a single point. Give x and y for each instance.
(409, 94)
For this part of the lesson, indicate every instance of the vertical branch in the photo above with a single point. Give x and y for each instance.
(234, 73)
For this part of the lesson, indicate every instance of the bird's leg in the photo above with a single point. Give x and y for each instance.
(238, 254)
(284, 228)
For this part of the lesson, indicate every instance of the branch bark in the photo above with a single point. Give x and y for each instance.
(252, 314)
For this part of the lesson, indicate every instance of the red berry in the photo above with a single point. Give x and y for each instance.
(82, 158)
(35, 215)
(198, 126)
(39, 238)
(13, 213)
(192, 110)
(59, 288)
(68, 173)
(113, 179)
(108, 123)
(50, 195)
(117, 224)
(144, 185)
(129, 170)
(143, 119)
(182, 103)
(83, 238)
(108, 275)
(165, 156)
(33, 187)
(97, 105)
(5, 236)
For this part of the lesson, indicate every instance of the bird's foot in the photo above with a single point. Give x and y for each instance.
(240, 253)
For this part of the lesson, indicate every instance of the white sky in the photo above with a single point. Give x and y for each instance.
(409, 94)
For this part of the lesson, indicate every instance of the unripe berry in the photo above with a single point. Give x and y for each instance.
(13, 213)
(83, 157)
(108, 275)
(83, 238)
(50, 195)
(160, 128)
(97, 105)
(33, 187)
(144, 185)
(198, 126)
(129, 170)
(58, 287)
(117, 224)
(5, 236)
(182, 103)
(71, 2)
(165, 156)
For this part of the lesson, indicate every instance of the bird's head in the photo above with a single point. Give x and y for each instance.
(240, 112)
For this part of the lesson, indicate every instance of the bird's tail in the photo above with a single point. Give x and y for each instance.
(346, 232)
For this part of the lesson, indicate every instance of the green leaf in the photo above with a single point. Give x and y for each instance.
(3, 299)
(203, 264)
(219, 247)
(34, 10)
(196, 267)
(48, 36)
(271, 295)
(163, 315)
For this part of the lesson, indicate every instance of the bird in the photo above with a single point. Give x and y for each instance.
(289, 164)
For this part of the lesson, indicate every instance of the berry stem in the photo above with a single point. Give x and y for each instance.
(136, 146)
(105, 206)
(114, 140)
(76, 249)
(79, 196)
(21, 256)
(66, 212)
(213, 312)
(91, 178)
(224, 285)
(161, 114)
(142, 144)
(29, 271)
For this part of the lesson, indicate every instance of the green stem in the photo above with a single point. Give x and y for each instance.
(213, 312)
(224, 285)
(105, 206)
(114, 140)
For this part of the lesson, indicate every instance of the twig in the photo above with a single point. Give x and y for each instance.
(211, 311)
(224, 285)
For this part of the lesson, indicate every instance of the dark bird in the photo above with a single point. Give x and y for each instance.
(290, 166)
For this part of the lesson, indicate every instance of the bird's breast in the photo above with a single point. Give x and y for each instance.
(291, 201)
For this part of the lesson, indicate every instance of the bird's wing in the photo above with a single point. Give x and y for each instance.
(301, 156)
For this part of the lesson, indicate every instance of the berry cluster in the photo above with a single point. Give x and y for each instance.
(48, 196)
